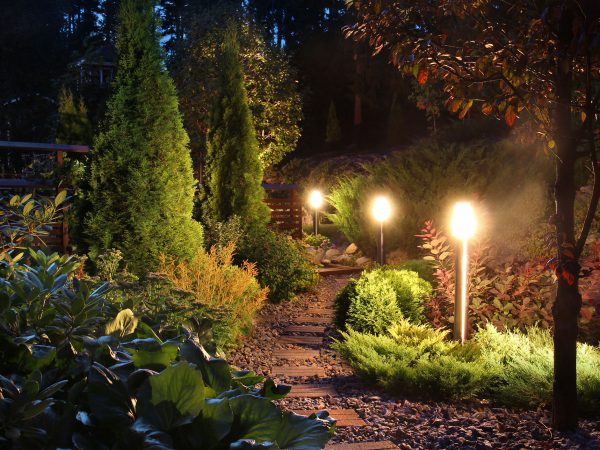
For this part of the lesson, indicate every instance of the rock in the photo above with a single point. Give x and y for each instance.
(344, 259)
(332, 253)
(351, 249)
(311, 250)
(363, 261)
(318, 256)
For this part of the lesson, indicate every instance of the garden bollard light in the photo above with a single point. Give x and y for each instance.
(381, 211)
(463, 228)
(316, 201)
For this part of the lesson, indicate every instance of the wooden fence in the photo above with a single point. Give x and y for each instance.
(18, 183)
(286, 208)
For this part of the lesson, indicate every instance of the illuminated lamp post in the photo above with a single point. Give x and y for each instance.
(463, 228)
(381, 212)
(316, 201)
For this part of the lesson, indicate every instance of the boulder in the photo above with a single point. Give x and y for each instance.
(318, 256)
(351, 249)
(332, 253)
(363, 261)
(345, 260)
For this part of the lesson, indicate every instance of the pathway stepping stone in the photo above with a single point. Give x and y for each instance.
(312, 391)
(320, 311)
(306, 340)
(296, 353)
(309, 319)
(298, 371)
(343, 417)
(304, 329)
(383, 445)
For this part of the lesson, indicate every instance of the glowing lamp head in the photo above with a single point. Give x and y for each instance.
(315, 199)
(381, 209)
(463, 221)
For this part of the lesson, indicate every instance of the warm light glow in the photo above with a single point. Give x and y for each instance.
(381, 209)
(463, 221)
(315, 199)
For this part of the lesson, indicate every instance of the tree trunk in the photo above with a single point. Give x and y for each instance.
(568, 300)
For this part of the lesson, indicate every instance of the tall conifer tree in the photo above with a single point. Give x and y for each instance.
(142, 186)
(233, 169)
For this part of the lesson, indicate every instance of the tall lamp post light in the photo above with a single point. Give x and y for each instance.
(381, 212)
(463, 226)
(316, 201)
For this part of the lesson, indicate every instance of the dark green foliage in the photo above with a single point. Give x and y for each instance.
(509, 368)
(333, 133)
(379, 298)
(426, 179)
(281, 262)
(342, 303)
(73, 370)
(422, 267)
(220, 234)
(233, 170)
(74, 126)
(142, 187)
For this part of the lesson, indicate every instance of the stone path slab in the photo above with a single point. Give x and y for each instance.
(343, 417)
(383, 445)
(305, 329)
(312, 391)
(311, 319)
(299, 371)
(296, 353)
(301, 340)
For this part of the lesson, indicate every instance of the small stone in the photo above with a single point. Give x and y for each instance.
(351, 249)
(363, 261)
(332, 253)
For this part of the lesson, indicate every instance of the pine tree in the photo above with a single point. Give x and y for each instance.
(333, 133)
(233, 169)
(142, 186)
(74, 126)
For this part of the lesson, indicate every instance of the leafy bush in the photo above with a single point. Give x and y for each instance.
(74, 373)
(508, 296)
(513, 368)
(423, 268)
(379, 297)
(316, 241)
(425, 179)
(216, 283)
(281, 262)
(220, 234)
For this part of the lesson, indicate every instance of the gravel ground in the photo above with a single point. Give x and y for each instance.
(409, 424)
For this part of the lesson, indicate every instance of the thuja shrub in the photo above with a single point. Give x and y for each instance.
(216, 283)
(513, 368)
(380, 297)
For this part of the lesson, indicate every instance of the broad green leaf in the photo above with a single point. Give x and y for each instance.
(273, 391)
(210, 428)
(303, 433)
(216, 372)
(181, 385)
(108, 397)
(255, 418)
(124, 324)
(164, 355)
(60, 197)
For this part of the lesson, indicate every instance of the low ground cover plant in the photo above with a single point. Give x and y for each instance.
(512, 368)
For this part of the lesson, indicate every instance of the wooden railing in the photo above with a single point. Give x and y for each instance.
(58, 235)
(286, 208)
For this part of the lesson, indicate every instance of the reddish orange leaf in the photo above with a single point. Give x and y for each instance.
(423, 76)
(487, 109)
(455, 105)
(510, 116)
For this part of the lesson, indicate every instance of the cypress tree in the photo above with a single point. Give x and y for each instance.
(233, 169)
(142, 185)
(333, 133)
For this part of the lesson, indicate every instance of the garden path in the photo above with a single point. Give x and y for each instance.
(291, 343)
